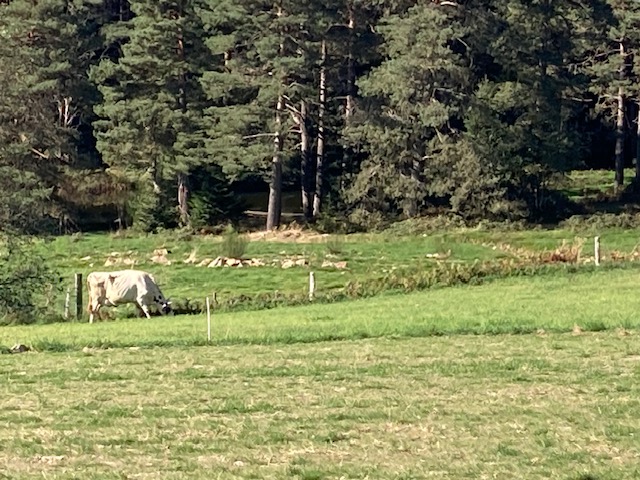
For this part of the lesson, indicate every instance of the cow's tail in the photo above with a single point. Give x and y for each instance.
(89, 302)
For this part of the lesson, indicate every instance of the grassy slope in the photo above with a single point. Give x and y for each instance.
(594, 301)
(528, 407)
(367, 256)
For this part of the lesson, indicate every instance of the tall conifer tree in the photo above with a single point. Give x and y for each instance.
(151, 108)
(410, 102)
(45, 99)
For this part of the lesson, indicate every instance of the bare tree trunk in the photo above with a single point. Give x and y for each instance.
(351, 75)
(183, 177)
(619, 160)
(350, 97)
(183, 197)
(411, 210)
(317, 197)
(619, 178)
(275, 186)
(306, 180)
(637, 179)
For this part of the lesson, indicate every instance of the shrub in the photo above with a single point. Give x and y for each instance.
(233, 244)
(601, 221)
(27, 284)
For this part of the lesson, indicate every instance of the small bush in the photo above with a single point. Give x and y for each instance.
(335, 222)
(233, 244)
(27, 284)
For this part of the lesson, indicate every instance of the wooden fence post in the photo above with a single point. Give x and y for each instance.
(67, 301)
(312, 285)
(78, 296)
(596, 250)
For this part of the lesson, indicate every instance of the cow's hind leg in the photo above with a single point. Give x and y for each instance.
(93, 309)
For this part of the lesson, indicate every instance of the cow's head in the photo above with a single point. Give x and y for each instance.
(164, 305)
(166, 308)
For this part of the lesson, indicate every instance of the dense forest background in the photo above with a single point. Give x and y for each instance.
(157, 113)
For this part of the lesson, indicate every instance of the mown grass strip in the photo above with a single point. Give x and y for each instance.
(530, 407)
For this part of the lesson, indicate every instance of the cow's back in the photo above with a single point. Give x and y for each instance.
(124, 287)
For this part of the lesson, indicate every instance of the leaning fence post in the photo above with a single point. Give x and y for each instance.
(312, 285)
(596, 250)
(66, 304)
(78, 296)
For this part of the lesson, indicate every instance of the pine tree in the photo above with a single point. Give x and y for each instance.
(615, 68)
(410, 103)
(45, 101)
(524, 115)
(149, 133)
(260, 90)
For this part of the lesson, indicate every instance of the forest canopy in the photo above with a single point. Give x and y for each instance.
(157, 113)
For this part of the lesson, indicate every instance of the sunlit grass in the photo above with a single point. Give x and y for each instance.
(593, 301)
(368, 257)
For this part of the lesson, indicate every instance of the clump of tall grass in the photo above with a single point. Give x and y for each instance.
(335, 244)
(234, 245)
(410, 279)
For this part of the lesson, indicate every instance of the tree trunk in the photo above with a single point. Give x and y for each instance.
(183, 177)
(351, 75)
(317, 197)
(350, 96)
(411, 209)
(619, 166)
(306, 172)
(637, 179)
(183, 197)
(619, 160)
(275, 186)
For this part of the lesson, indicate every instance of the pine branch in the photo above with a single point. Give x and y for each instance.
(258, 135)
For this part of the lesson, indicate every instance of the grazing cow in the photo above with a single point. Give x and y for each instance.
(111, 289)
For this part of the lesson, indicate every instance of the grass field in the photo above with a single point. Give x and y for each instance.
(583, 184)
(528, 407)
(520, 377)
(593, 301)
(424, 385)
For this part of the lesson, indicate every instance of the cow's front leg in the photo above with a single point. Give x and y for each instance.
(145, 309)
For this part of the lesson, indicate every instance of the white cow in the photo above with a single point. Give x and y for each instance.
(111, 289)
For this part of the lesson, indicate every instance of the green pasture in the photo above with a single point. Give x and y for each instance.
(592, 301)
(528, 407)
(521, 377)
(585, 184)
(367, 257)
